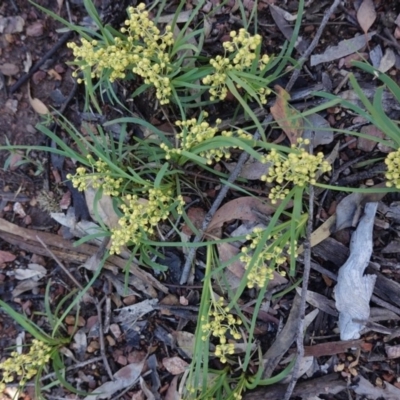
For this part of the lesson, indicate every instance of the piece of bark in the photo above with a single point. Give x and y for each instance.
(354, 289)
(385, 288)
(331, 348)
(328, 384)
(26, 239)
(331, 250)
(284, 340)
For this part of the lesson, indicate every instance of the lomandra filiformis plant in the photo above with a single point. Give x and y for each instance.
(152, 54)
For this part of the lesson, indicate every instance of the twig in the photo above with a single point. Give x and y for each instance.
(307, 243)
(302, 308)
(72, 367)
(101, 338)
(60, 264)
(312, 46)
(16, 8)
(24, 78)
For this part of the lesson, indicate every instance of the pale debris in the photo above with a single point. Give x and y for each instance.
(354, 289)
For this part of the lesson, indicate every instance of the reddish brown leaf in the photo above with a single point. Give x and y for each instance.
(243, 208)
(15, 158)
(6, 256)
(366, 144)
(174, 365)
(9, 69)
(286, 116)
(36, 29)
(196, 216)
(172, 392)
(366, 15)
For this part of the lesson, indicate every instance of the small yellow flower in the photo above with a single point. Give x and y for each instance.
(298, 168)
(393, 169)
(261, 271)
(25, 366)
(143, 51)
(242, 49)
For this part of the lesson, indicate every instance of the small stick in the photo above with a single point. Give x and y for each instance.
(60, 264)
(312, 46)
(72, 367)
(302, 307)
(24, 78)
(101, 338)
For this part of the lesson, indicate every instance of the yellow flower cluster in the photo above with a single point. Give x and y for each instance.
(260, 273)
(299, 168)
(143, 51)
(221, 322)
(393, 169)
(101, 177)
(141, 216)
(25, 366)
(194, 132)
(243, 48)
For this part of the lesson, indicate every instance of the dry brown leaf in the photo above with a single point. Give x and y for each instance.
(105, 208)
(15, 158)
(185, 341)
(252, 170)
(196, 216)
(286, 116)
(172, 392)
(9, 69)
(37, 104)
(6, 256)
(243, 208)
(125, 377)
(366, 15)
(347, 61)
(321, 233)
(11, 24)
(25, 286)
(34, 271)
(174, 365)
(54, 75)
(146, 390)
(36, 29)
(387, 61)
(366, 144)
(286, 15)
(60, 4)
